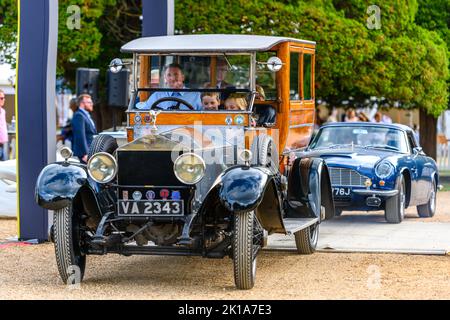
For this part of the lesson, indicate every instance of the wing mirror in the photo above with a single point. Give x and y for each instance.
(274, 64)
(417, 150)
(116, 65)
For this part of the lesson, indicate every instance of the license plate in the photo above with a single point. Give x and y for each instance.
(342, 192)
(151, 208)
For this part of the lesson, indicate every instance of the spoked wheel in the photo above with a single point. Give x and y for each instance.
(247, 240)
(306, 239)
(428, 209)
(395, 206)
(69, 258)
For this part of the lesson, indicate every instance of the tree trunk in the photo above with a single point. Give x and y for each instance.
(428, 133)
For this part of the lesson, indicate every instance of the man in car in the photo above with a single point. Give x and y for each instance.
(174, 79)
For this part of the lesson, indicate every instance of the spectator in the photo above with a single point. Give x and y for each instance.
(333, 117)
(351, 116)
(3, 126)
(362, 117)
(67, 130)
(83, 127)
(378, 117)
(386, 119)
(416, 132)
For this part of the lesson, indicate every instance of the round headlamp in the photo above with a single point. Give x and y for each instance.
(66, 153)
(246, 155)
(189, 168)
(384, 169)
(102, 167)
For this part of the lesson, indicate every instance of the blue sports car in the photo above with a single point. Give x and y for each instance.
(376, 167)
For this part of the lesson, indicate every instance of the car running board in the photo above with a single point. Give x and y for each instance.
(292, 225)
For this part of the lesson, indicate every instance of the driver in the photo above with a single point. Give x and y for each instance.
(174, 79)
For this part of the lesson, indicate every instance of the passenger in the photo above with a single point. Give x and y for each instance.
(174, 79)
(210, 101)
(260, 94)
(221, 74)
(235, 103)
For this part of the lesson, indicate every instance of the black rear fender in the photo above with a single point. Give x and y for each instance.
(310, 189)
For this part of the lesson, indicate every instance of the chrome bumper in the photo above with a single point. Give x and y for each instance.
(381, 193)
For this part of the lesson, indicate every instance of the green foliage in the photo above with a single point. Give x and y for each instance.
(8, 30)
(407, 60)
(400, 62)
(79, 47)
(76, 47)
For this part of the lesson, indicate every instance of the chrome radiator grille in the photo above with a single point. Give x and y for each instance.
(346, 177)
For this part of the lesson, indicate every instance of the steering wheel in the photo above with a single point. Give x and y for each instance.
(174, 99)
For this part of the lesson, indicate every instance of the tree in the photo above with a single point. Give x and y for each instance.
(433, 15)
(8, 30)
(401, 62)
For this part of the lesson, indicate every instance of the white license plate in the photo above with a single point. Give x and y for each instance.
(342, 192)
(151, 208)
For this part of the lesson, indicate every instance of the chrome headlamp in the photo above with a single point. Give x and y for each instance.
(66, 153)
(189, 168)
(384, 169)
(102, 167)
(246, 156)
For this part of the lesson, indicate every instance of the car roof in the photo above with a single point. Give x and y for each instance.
(206, 43)
(368, 124)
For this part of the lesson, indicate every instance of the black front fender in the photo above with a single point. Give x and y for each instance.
(58, 184)
(242, 188)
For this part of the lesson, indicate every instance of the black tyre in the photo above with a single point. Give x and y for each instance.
(337, 212)
(102, 143)
(69, 258)
(428, 209)
(306, 239)
(265, 152)
(395, 206)
(245, 250)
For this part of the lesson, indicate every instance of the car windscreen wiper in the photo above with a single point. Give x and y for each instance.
(381, 146)
(336, 146)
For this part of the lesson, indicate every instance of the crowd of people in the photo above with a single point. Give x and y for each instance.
(351, 115)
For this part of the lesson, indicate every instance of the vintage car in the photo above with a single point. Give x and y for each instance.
(375, 166)
(189, 181)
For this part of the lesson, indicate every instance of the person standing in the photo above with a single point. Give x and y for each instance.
(351, 116)
(3, 126)
(83, 127)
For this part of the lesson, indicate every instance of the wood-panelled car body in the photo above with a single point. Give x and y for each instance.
(192, 181)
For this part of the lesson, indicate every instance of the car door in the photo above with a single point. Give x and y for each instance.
(421, 183)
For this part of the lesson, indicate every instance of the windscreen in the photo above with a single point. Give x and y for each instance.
(189, 82)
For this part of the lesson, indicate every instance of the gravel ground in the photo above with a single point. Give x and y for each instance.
(280, 275)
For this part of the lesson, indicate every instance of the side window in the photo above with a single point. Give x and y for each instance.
(307, 76)
(411, 142)
(294, 73)
(265, 79)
